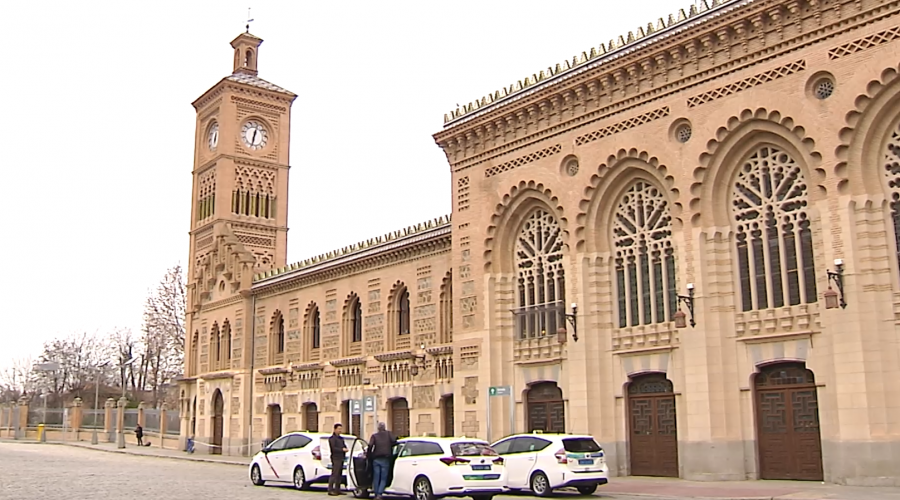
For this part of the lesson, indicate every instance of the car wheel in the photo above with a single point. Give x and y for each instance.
(422, 489)
(540, 485)
(256, 476)
(587, 490)
(299, 478)
(358, 493)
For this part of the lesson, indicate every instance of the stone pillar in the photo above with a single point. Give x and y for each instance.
(141, 407)
(22, 418)
(108, 427)
(76, 417)
(120, 421)
(162, 426)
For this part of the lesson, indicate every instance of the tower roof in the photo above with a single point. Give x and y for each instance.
(256, 81)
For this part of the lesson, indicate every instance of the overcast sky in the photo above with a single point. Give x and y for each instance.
(98, 128)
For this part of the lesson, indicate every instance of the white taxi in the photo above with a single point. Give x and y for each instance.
(545, 462)
(295, 457)
(426, 468)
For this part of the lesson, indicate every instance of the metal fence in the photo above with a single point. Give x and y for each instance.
(52, 417)
(93, 419)
(173, 423)
(5, 417)
(151, 420)
(131, 419)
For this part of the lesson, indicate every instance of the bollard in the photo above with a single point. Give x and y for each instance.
(42, 437)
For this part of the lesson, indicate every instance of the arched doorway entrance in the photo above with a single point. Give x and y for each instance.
(653, 432)
(311, 417)
(546, 410)
(274, 422)
(218, 423)
(400, 417)
(787, 423)
(447, 415)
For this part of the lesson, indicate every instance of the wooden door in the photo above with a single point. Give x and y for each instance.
(787, 422)
(546, 408)
(274, 422)
(218, 423)
(448, 415)
(400, 417)
(311, 417)
(653, 432)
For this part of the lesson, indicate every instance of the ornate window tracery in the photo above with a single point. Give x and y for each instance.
(644, 257)
(892, 180)
(541, 292)
(773, 234)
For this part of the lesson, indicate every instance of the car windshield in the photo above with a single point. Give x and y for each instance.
(470, 449)
(581, 445)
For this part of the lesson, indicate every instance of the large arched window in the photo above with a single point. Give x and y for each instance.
(276, 339)
(644, 256)
(892, 179)
(312, 336)
(195, 353)
(225, 343)
(279, 339)
(541, 287)
(403, 312)
(772, 232)
(353, 320)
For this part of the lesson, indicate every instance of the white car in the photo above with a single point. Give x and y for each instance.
(545, 462)
(426, 468)
(295, 457)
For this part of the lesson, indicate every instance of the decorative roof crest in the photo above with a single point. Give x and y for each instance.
(699, 7)
(357, 247)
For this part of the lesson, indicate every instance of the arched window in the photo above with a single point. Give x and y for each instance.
(357, 321)
(403, 313)
(279, 346)
(353, 322)
(195, 352)
(214, 347)
(248, 58)
(316, 330)
(541, 290)
(446, 331)
(644, 256)
(772, 233)
(892, 179)
(226, 343)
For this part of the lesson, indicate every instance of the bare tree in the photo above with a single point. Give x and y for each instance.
(17, 379)
(162, 343)
(78, 355)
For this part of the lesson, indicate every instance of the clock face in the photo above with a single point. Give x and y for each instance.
(254, 135)
(212, 138)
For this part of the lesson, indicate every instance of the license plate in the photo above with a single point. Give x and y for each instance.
(486, 477)
(586, 461)
(481, 467)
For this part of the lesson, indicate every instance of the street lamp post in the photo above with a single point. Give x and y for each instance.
(48, 367)
(121, 443)
(94, 439)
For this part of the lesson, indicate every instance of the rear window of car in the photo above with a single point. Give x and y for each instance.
(469, 449)
(581, 445)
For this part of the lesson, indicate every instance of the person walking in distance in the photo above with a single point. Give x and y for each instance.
(381, 446)
(139, 434)
(338, 452)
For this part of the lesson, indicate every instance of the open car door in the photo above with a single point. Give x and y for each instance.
(359, 470)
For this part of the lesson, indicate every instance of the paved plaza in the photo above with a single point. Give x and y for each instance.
(78, 470)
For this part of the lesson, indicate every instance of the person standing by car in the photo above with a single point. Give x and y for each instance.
(338, 452)
(381, 446)
(139, 434)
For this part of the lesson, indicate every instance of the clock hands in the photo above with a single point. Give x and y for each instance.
(253, 140)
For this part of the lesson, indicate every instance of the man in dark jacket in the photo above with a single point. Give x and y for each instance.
(381, 446)
(338, 452)
(139, 434)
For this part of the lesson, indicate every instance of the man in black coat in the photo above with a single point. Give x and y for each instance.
(338, 452)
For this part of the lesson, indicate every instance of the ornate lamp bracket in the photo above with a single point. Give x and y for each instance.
(835, 298)
(572, 320)
(688, 301)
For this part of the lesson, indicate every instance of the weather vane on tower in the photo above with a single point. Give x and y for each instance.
(249, 19)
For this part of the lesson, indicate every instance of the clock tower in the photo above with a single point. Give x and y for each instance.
(240, 175)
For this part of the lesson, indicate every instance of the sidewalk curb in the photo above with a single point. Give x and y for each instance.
(125, 452)
(656, 495)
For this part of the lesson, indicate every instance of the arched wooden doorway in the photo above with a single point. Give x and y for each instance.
(311, 417)
(787, 423)
(546, 410)
(400, 417)
(653, 431)
(274, 422)
(447, 415)
(218, 423)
